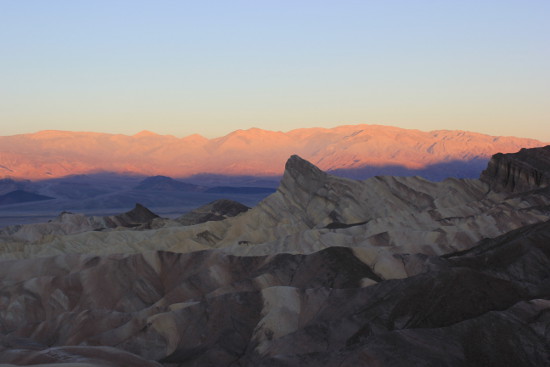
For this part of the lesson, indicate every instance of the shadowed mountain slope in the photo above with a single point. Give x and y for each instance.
(21, 196)
(163, 183)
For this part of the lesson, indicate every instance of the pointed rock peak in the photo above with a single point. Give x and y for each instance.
(141, 214)
(299, 167)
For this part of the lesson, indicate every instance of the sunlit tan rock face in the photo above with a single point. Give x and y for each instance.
(50, 154)
(326, 271)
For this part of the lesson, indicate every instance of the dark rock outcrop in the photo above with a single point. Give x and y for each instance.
(214, 211)
(140, 215)
(528, 169)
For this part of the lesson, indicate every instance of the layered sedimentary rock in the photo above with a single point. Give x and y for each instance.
(521, 171)
(68, 223)
(327, 271)
(483, 307)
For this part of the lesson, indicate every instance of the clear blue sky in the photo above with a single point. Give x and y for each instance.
(210, 67)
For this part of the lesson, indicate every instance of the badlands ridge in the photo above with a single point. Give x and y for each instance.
(327, 271)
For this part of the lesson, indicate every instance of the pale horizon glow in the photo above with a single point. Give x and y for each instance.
(183, 67)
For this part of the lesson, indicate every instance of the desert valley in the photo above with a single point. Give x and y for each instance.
(274, 183)
(354, 246)
(103, 174)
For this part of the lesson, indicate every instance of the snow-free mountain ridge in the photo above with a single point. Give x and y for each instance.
(257, 152)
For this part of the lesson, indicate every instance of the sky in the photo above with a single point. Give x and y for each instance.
(211, 67)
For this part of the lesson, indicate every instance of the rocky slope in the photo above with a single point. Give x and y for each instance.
(257, 152)
(327, 271)
(70, 223)
(485, 307)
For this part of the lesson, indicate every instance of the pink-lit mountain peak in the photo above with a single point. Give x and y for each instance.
(252, 152)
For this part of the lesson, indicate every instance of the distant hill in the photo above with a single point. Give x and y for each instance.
(21, 196)
(163, 183)
(360, 149)
(8, 185)
(240, 190)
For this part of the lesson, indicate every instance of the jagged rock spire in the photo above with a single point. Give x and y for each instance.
(298, 169)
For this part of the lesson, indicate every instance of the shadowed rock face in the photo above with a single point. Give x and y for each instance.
(140, 215)
(324, 272)
(521, 171)
(214, 211)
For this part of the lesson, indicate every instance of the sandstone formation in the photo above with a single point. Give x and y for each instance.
(327, 271)
(48, 154)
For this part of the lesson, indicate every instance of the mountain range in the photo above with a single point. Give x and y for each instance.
(357, 151)
(326, 271)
